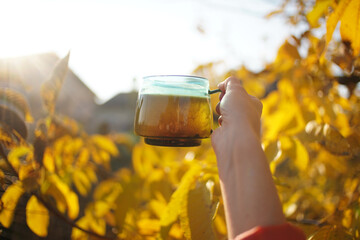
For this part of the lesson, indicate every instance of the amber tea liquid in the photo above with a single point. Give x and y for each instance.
(170, 120)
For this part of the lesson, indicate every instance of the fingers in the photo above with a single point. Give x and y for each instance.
(257, 104)
(230, 81)
(234, 85)
(217, 108)
(220, 120)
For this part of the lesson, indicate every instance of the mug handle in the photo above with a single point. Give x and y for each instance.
(214, 91)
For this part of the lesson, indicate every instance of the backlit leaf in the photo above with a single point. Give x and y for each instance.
(105, 144)
(9, 201)
(350, 25)
(11, 122)
(334, 142)
(173, 208)
(331, 233)
(148, 226)
(140, 159)
(29, 176)
(296, 151)
(65, 198)
(318, 10)
(81, 182)
(14, 98)
(302, 156)
(2, 177)
(17, 155)
(334, 18)
(77, 234)
(37, 217)
(49, 160)
(196, 217)
(98, 225)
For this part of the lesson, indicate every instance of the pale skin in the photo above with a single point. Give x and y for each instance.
(249, 193)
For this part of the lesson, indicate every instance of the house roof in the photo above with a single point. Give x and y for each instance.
(121, 100)
(31, 71)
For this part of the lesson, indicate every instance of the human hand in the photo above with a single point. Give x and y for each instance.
(239, 115)
(249, 193)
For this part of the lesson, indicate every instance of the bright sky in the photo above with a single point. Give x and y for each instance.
(114, 41)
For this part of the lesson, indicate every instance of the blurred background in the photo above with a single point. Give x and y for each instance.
(70, 164)
(114, 43)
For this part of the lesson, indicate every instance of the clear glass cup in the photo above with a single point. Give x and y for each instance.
(173, 110)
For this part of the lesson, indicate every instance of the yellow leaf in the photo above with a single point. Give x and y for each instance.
(98, 209)
(9, 200)
(331, 233)
(350, 25)
(148, 226)
(296, 151)
(157, 207)
(83, 157)
(196, 214)
(302, 156)
(2, 177)
(48, 160)
(254, 88)
(172, 210)
(76, 233)
(82, 182)
(37, 217)
(143, 158)
(286, 56)
(334, 18)
(318, 11)
(271, 150)
(16, 154)
(14, 98)
(65, 198)
(124, 205)
(91, 174)
(176, 231)
(334, 142)
(107, 191)
(98, 225)
(105, 144)
(72, 205)
(29, 176)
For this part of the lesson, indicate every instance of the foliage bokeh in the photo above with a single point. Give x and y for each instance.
(310, 134)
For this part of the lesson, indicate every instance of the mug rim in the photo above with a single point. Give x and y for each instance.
(175, 75)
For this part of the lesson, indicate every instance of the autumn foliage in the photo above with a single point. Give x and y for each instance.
(310, 134)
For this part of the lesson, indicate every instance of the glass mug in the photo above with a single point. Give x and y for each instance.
(174, 110)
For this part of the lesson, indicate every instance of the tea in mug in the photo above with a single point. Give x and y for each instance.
(171, 120)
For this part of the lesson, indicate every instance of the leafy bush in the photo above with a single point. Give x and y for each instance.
(311, 137)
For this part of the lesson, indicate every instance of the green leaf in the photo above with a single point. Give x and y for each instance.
(37, 217)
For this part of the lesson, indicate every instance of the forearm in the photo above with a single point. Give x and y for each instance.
(250, 196)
